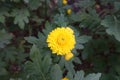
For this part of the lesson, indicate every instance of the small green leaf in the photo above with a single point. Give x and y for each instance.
(48, 28)
(34, 4)
(40, 41)
(3, 14)
(77, 60)
(31, 39)
(3, 71)
(26, 1)
(79, 75)
(79, 46)
(4, 38)
(112, 24)
(21, 16)
(69, 66)
(86, 3)
(34, 52)
(93, 76)
(56, 73)
(46, 64)
(70, 75)
(83, 39)
(117, 5)
(39, 66)
(61, 20)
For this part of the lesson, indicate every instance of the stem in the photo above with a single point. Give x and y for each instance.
(45, 8)
(30, 30)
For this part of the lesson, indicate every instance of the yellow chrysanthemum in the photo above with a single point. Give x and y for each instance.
(61, 40)
(65, 78)
(64, 2)
(68, 56)
(69, 11)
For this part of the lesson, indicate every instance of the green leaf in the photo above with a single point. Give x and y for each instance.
(26, 1)
(77, 60)
(21, 16)
(3, 71)
(34, 4)
(56, 73)
(31, 39)
(84, 54)
(70, 75)
(79, 75)
(34, 53)
(4, 38)
(108, 77)
(12, 54)
(70, 67)
(48, 28)
(3, 13)
(75, 18)
(112, 25)
(117, 5)
(93, 76)
(83, 39)
(46, 64)
(117, 68)
(15, 0)
(108, 21)
(2, 64)
(40, 66)
(86, 3)
(79, 46)
(62, 62)
(40, 42)
(60, 20)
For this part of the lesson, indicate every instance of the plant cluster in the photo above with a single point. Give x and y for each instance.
(59, 40)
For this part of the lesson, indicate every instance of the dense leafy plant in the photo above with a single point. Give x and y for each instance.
(25, 53)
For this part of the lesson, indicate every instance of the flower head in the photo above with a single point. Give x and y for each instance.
(65, 78)
(64, 2)
(69, 11)
(68, 56)
(61, 40)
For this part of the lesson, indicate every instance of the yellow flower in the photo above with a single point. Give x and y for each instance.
(69, 11)
(61, 40)
(64, 2)
(68, 56)
(65, 78)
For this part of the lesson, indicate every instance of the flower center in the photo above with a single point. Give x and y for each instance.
(61, 40)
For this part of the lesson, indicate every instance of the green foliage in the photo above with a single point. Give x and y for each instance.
(112, 24)
(56, 73)
(82, 40)
(117, 5)
(41, 66)
(80, 76)
(41, 40)
(4, 38)
(33, 4)
(60, 20)
(21, 17)
(4, 12)
(27, 23)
